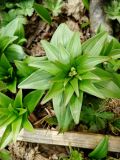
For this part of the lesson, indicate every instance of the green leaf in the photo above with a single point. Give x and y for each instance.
(5, 100)
(4, 111)
(5, 42)
(16, 126)
(85, 63)
(64, 56)
(109, 89)
(42, 12)
(37, 80)
(61, 36)
(90, 75)
(6, 137)
(46, 66)
(12, 85)
(27, 125)
(13, 27)
(5, 155)
(14, 52)
(18, 100)
(75, 107)
(94, 45)
(31, 100)
(62, 112)
(74, 45)
(4, 63)
(21, 111)
(86, 4)
(55, 89)
(23, 70)
(8, 120)
(68, 92)
(106, 115)
(88, 87)
(101, 149)
(115, 53)
(74, 84)
(50, 50)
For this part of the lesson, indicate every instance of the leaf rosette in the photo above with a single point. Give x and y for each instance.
(69, 70)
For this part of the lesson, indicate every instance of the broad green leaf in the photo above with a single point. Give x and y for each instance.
(51, 51)
(74, 84)
(27, 125)
(16, 126)
(104, 75)
(109, 89)
(5, 100)
(86, 62)
(94, 45)
(61, 36)
(88, 87)
(62, 113)
(107, 48)
(68, 92)
(9, 120)
(18, 100)
(46, 66)
(6, 137)
(5, 41)
(90, 75)
(23, 70)
(14, 52)
(115, 53)
(101, 149)
(55, 89)
(75, 107)
(37, 80)
(4, 111)
(64, 55)
(13, 27)
(42, 12)
(74, 45)
(31, 100)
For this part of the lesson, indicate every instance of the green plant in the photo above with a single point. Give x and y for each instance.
(96, 119)
(68, 70)
(7, 76)
(12, 36)
(42, 12)
(101, 149)
(86, 4)
(13, 73)
(14, 114)
(16, 9)
(5, 155)
(74, 155)
(54, 6)
(112, 9)
(115, 126)
(20, 9)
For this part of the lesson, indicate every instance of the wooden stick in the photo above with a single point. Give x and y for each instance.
(76, 139)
